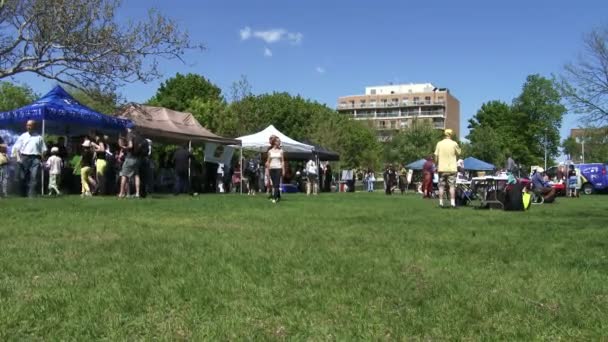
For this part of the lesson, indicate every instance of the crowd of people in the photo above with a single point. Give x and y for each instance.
(94, 164)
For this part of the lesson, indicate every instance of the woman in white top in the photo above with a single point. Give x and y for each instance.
(275, 167)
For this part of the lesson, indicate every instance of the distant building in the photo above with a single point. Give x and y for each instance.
(390, 108)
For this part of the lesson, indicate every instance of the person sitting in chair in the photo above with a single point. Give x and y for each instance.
(541, 187)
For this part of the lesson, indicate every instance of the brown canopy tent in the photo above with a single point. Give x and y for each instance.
(166, 125)
(171, 126)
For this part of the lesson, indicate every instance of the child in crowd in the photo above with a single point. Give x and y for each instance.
(54, 164)
(3, 169)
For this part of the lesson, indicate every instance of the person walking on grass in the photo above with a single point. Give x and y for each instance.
(30, 148)
(87, 181)
(101, 165)
(370, 177)
(446, 154)
(275, 167)
(3, 169)
(54, 164)
(312, 180)
(427, 179)
(130, 166)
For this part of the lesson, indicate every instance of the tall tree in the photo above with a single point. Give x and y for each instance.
(240, 89)
(493, 133)
(584, 84)
(539, 115)
(177, 92)
(522, 129)
(485, 145)
(595, 148)
(14, 96)
(106, 103)
(412, 143)
(80, 43)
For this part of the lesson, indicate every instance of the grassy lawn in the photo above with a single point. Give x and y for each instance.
(335, 267)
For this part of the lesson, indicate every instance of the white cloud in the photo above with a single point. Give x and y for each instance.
(267, 52)
(320, 70)
(245, 33)
(272, 36)
(295, 38)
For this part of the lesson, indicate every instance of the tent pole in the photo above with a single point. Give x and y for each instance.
(42, 168)
(241, 167)
(189, 166)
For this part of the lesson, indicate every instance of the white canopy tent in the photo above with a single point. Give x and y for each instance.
(260, 141)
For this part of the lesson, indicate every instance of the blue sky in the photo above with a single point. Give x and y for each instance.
(480, 50)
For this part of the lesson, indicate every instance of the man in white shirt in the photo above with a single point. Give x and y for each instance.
(312, 184)
(30, 148)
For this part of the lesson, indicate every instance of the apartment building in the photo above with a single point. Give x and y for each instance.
(390, 108)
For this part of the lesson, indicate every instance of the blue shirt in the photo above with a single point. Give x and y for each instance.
(30, 144)
(538, 181)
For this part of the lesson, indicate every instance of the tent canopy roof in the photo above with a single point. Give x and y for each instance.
(62, 115)
(321, 152)
(169, 125)
(259, 141)
(475, 164)
(417, 165)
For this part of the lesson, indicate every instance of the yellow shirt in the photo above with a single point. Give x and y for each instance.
(446, 153)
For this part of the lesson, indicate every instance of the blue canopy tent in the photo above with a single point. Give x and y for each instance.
(59, 113)
(417, 165)
(475, 164)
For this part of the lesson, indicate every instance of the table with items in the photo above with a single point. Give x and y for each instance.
(489, 189)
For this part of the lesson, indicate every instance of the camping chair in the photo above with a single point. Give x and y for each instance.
(536, 196)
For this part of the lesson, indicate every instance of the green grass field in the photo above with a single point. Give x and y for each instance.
(336, 267)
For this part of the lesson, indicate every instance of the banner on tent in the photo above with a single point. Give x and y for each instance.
(216, 153)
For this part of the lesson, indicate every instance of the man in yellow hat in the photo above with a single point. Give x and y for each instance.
(446, 155)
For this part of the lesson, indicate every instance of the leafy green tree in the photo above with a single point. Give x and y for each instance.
(485, 145)
(539, 114)
(291, 115)
(571, 147)
(211, 113)
(595, 149)
(356, 142)
(14, 96)
(82, 44)
(177, 92)
(412, 143)
(521, 129)
(107, 103)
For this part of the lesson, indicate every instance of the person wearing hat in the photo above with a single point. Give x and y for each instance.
(446, 154)
(86, 169)
(541, 187)
(54, 164)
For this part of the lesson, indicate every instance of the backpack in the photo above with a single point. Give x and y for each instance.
(140, 146)
(516, 199)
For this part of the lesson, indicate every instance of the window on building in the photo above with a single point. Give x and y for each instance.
(352, 104)
(382, 124)
(373, 91)
(362, 104)
(416, 99)
(427, 99)
(393, 124)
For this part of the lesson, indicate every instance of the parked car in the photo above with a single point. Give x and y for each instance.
(594, 177)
